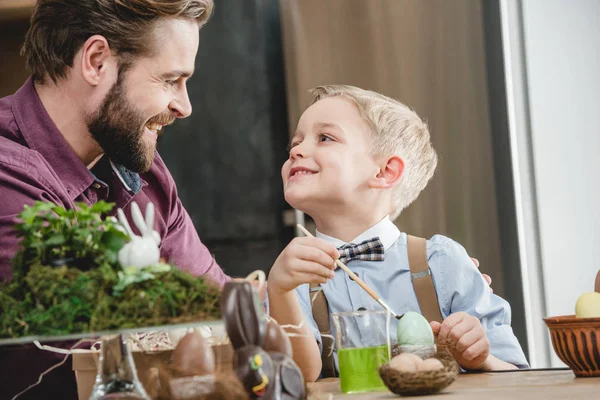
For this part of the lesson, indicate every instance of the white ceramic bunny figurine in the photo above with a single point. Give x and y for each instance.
(141, 251)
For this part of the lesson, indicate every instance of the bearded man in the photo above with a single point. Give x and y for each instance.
(106, 77)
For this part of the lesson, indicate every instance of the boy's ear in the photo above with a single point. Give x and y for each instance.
(390, 173)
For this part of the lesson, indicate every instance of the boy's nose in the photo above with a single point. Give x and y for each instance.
(297, 151)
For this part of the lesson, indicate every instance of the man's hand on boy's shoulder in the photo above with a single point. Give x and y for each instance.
(304, 260)
(465, 338)
(487, 278)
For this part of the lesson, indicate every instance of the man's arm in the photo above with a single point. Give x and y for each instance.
(20, 185)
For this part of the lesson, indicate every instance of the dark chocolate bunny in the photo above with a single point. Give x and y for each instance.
(262, 350)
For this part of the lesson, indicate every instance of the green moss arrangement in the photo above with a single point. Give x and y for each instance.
(67, 279)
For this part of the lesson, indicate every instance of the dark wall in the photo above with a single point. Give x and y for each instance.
(227, 155)
(12, 66)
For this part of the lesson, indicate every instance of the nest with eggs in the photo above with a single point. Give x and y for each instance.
(407, 376)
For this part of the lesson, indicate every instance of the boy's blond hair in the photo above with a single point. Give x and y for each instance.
(395, 130)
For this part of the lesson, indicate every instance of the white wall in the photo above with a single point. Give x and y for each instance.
(560, 65)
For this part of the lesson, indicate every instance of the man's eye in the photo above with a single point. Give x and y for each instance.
(171, 82)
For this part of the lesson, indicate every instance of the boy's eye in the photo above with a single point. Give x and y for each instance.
(324, 138)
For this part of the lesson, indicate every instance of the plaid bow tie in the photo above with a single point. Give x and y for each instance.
(369, 250)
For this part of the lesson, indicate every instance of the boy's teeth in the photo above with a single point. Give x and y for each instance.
(303, 173)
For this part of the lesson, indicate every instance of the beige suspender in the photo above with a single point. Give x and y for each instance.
(320, 311)
(422, 283)
(420, 276)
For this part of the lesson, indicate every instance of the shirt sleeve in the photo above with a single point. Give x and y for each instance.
(20, 185)
(461, 287)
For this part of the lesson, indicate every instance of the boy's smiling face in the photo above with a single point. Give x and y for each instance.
(329, 163)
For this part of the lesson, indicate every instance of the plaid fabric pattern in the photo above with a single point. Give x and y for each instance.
(369, 250)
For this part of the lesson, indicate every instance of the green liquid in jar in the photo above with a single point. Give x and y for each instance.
(359, 368)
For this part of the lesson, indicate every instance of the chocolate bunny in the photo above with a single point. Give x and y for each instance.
(263, 353)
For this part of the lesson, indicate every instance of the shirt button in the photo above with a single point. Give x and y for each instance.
(361, 309)
(96, 185)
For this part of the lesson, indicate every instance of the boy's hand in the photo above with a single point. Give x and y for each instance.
(465, 338)
(304, 260)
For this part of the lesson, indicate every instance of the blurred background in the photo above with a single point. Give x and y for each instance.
(510, 90)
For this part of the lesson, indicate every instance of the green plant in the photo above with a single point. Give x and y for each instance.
(67, 279)
(53, 235)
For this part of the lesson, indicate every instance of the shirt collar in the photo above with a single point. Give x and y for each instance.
(385, 230)
(42, 135)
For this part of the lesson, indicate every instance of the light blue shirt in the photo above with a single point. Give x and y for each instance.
(459, 286)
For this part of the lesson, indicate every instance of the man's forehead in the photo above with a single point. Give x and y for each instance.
(176, 41)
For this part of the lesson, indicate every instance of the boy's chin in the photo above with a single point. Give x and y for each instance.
(300, 202)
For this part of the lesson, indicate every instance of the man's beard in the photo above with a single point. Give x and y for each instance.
(119, 129)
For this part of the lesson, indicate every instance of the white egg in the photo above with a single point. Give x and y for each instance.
(406, 362)
(431, 364)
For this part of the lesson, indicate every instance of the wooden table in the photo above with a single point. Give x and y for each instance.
(559, 384)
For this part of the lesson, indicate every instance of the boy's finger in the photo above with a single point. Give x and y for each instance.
(328, 248)
(311, 278)
(459, 330)
(314, 254)
(468, 339)
(479, 348)
(312, 268)
(449, 323)
(435, 327)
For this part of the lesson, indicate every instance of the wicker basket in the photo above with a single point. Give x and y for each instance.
(420, 383)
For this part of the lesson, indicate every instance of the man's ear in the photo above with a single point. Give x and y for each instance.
(96, 58)
(390, 173)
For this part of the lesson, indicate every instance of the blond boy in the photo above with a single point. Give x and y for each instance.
(357, 159)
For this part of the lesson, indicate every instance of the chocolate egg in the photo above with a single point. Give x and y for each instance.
(193, 356)
(597, 286)
(276, 340)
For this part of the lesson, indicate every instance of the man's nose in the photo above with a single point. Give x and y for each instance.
(180, 106)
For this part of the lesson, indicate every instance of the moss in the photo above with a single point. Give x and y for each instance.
(45, 300)
(63, 300)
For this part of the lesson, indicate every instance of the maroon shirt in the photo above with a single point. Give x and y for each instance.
(36, 163)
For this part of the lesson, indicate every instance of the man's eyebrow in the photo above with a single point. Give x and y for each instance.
(177, 74)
